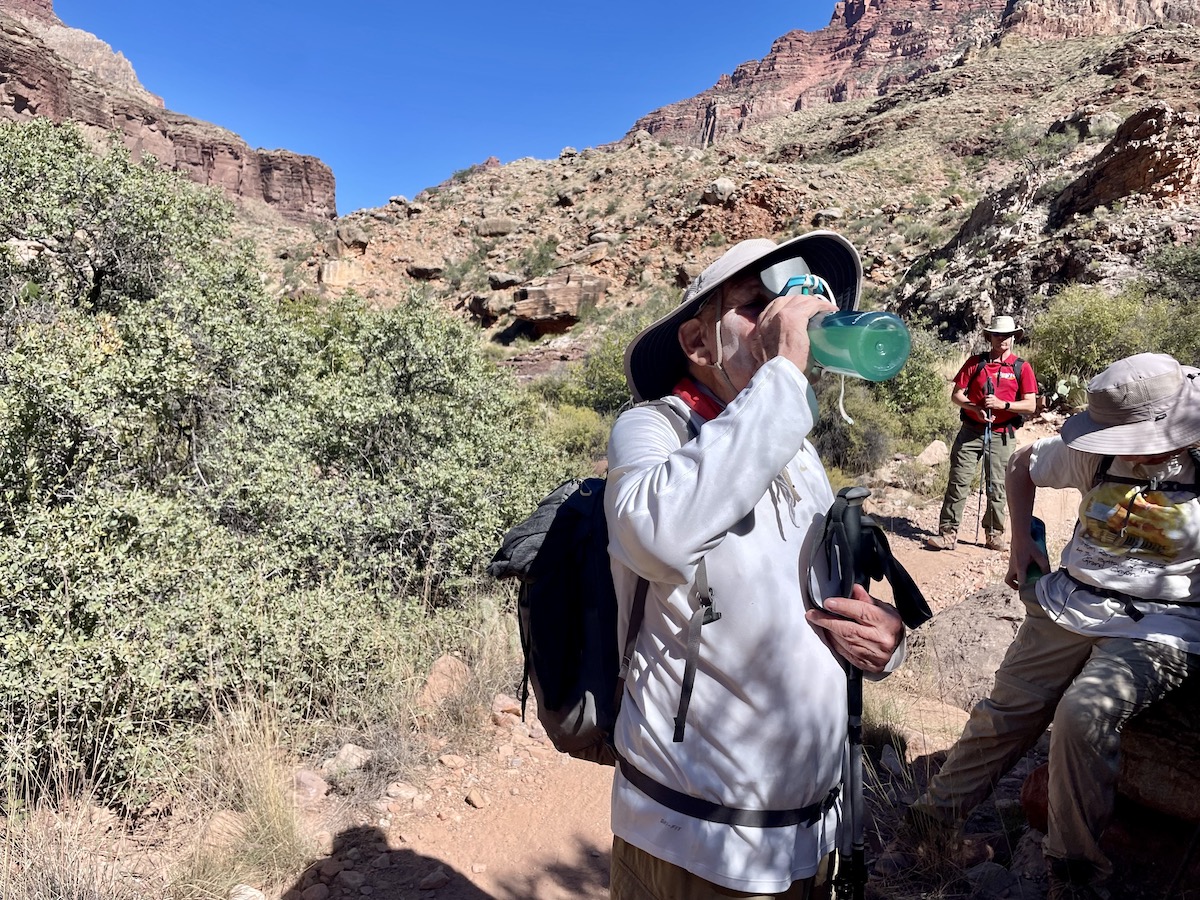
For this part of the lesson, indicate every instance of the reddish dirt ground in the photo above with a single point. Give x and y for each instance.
(542, 832)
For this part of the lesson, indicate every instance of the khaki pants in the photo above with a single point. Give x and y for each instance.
(1089, 688)
(964, 460)
(636, 875)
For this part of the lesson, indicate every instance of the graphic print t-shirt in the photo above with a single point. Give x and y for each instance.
(1141, 542)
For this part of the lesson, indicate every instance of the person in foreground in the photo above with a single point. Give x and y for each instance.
(994, 391)
(1113, 630)
(731, 752)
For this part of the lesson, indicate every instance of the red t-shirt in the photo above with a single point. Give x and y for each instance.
(1003, 379)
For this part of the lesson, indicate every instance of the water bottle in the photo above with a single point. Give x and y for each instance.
(1037, 528)
(870, 345)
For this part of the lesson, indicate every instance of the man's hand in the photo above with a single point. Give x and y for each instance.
(865, 631)
(1022, 552)
(782, 328)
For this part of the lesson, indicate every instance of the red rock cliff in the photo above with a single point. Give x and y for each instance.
(1058, 19)
(87, 83)
(870, 46)
(867, 47)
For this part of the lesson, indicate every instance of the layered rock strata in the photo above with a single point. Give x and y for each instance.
(88, 84)
(872, 46)
(867, 47)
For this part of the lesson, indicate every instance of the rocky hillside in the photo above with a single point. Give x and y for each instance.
(986, 186)
(49, 69)
(982, 155)
(869, 48)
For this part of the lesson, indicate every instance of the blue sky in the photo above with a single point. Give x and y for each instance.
(397, 97)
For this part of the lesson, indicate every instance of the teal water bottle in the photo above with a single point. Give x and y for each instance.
(1037, 528)
(870, 345)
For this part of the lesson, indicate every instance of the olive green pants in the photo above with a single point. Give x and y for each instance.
(637, 875)
(1088, 688)
(965, 456)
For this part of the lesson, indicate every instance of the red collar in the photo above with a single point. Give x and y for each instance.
(694, 396)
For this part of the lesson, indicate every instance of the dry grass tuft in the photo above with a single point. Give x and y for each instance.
(51, 855)
(251, 830)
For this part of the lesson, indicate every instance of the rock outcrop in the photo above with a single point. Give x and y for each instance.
(868, 47)
(1155, 154)
(47, 69)
(1061, 19)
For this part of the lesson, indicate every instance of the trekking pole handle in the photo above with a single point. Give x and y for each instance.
(855, 496)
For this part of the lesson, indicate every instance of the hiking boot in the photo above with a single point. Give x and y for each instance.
(944, 541)
(1072, 879)
(996, 541)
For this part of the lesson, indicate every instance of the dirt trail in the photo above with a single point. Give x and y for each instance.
(542, 831)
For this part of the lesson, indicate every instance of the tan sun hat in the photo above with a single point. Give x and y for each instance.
(1141, 405)
(1003, 325)
(654, 361)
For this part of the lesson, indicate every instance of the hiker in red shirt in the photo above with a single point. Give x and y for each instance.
(994, 390)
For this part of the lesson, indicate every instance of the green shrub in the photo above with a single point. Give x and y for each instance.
(580, 433)
(853, 448)
(1083, 329)
(538, 259)
(599, 381)
(207, 494)
(919, 396)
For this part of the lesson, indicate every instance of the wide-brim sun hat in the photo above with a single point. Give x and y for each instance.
(1142, 405)
(654, 360)
(1003, 325)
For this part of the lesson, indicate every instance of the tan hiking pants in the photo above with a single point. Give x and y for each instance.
(1088, 687)
(637, 875)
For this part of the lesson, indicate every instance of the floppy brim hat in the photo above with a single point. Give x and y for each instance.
(1141, 405)
(654, 361)
(1003, 325)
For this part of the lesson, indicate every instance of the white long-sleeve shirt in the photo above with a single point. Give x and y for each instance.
(767, 724)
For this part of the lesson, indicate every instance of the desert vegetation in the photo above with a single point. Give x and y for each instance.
(235, 524)
(214, 498)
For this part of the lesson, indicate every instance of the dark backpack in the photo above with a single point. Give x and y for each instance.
(1017, 420)
(567, 612)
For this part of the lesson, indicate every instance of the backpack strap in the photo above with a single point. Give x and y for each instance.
(705, 613)
(696, 808)
(1153, 484)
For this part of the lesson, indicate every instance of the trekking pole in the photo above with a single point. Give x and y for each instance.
(851, 880)
(986, 476)
(857, 551)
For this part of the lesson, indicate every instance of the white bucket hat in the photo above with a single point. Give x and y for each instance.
(1141, 405)
(1003, 325)
(654, 360)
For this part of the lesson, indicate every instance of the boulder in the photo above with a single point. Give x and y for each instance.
(937, 452)
(1160, 755)
(496, 226)
(719, 192)
(556, 302)
(968, 641)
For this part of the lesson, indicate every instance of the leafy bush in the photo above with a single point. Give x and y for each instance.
(858, 448)
(599, 381)
(1083, 329)
(919, 396)
(207, 495)
(580, 432)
